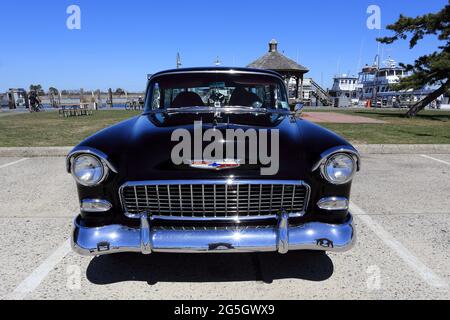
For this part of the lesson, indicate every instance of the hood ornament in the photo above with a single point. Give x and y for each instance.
(215, 165)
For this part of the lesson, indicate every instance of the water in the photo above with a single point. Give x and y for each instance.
(48, 107)
(118, 106)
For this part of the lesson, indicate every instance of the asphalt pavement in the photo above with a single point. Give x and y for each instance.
(401, 205)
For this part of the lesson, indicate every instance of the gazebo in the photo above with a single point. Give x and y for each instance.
(275, 61)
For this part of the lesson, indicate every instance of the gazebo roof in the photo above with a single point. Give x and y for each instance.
(273, 60)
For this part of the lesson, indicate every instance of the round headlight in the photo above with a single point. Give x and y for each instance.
(339, 168)
(88, 170)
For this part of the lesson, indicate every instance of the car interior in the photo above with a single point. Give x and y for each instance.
(239, 97)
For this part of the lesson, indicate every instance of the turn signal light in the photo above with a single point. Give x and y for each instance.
(95, 205)
(333, 204)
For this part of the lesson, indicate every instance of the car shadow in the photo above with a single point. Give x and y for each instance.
(198, 268)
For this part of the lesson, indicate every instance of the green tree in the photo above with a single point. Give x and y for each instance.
(119, 92)
(37, 88)
(53, 91)
(432, 69)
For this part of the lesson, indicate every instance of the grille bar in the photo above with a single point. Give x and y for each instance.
(214, 199)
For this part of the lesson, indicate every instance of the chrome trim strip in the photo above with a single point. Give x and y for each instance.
(214, 182)
(119, 238)
(146, 197)
(226, 202)
(157, 196)
(215, 200)
(108, 205)
(225, 110)
(324, 200)
(260, 197)
(293, 198)
(218, 71)
(235, 219)
(136, 197)
(203, 200)
(341, 149)
(92, 151)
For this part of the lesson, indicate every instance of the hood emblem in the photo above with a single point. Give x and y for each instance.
(215, 165)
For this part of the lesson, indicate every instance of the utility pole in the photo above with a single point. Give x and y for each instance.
(179, 64)
(375, 89)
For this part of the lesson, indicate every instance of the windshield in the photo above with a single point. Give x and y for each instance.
(219, 90)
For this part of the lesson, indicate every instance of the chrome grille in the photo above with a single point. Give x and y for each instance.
(214, 199)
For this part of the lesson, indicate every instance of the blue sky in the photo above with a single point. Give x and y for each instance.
(121, 41)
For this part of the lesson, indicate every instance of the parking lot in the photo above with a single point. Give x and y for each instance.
(401, 205)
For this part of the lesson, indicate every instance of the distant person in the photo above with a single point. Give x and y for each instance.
(35, 102)
(141, 103)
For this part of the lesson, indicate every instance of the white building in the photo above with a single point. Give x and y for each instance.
(313, 93)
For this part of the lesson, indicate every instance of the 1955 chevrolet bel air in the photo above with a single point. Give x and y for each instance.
(217, 162)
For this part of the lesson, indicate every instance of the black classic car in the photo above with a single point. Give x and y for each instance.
(217, 162)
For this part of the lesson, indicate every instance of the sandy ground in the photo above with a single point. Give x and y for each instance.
(401, 204)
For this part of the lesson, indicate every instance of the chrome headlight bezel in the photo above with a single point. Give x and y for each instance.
(325, 166)
(108, 166)
(103, 167)
(347, 150)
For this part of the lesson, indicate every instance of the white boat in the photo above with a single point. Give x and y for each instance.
(344, 91)
(375, 86)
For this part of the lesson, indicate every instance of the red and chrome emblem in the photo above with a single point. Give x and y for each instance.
(215, 165)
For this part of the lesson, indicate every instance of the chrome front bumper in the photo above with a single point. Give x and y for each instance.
(146, 240)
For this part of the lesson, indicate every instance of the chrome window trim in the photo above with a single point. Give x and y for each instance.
(268, 73)
(90, 151)
(321, 201)
(226, 110)
(217, 71)
(215, 182)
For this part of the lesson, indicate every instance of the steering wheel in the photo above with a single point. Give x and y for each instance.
(217, 97)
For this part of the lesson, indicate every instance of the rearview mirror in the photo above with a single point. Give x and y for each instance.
(298, 110)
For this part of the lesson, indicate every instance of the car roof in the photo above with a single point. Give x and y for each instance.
(216, 69)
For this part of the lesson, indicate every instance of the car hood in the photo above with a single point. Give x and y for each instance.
(141, 147)
(150, 151)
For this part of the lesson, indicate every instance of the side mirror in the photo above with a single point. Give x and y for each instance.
(298, 110)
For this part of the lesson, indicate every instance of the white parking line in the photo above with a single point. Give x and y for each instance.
(13, 163)
(33, 281)
(425, 273)
(438, 160)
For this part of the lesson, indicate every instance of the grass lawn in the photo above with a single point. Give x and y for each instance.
(429, 127)
(49, 129)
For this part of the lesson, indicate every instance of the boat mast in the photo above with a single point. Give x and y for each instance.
(375, 89)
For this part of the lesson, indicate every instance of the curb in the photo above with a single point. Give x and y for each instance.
(32, 152)
(403, 148)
